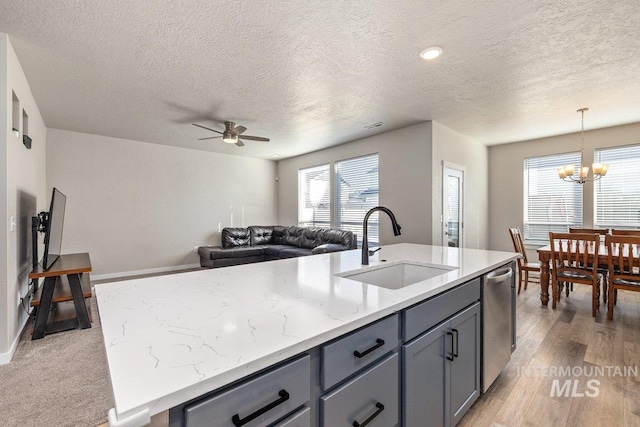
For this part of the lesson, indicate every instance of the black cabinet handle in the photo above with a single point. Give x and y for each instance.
(380, 407)
(284, 396)
(451, 335)
(455, 348)
(379, 343)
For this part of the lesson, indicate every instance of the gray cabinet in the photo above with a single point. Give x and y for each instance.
(370, 398)
(441, 371)
(258, 402)
(349, 354)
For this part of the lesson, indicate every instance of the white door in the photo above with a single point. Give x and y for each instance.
(453, 206)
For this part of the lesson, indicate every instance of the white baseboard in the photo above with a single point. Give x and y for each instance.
(6, 357)
(96, 277)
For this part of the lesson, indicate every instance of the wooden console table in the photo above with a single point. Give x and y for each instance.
(64, 283)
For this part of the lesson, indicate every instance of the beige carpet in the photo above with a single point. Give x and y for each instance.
(60, 380)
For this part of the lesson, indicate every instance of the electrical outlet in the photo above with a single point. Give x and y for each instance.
(195, 249)
(19, 298)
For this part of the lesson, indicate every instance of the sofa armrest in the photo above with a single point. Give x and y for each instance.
(327, 248)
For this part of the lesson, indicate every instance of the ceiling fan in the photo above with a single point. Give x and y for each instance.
(231, 134)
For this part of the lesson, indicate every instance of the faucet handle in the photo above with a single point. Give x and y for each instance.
(374, 251)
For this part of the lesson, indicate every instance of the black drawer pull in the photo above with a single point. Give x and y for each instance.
(380, 407)
(455, 348)
(284, 396)
(379, 343)
(451, 335)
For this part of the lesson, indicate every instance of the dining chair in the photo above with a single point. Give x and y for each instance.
(599, 231)
(624, 266)
(602, 232)
(524, 266)
(574, 259)
(620, 232)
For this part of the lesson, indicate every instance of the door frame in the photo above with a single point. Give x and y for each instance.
(455, 167)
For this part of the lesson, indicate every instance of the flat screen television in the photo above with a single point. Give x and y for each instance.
(53, 233)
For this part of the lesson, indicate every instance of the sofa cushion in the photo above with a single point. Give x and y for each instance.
(279, 232)
(312, 237)
(260, 235)
(294, 236)
(237, 252)
(339, 237)
(274, 250)
(234, 237)
(294, 252)
(328, 247)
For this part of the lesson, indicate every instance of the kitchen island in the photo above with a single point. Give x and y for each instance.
(171, 339)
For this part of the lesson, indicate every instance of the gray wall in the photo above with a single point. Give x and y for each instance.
(404, 179)
(139, 207)
(453, 147)
(506, 185)
(22, 174)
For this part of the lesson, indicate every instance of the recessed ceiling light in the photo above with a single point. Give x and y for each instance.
(431, 52)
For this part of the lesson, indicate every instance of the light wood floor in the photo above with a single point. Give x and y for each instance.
(567, 336)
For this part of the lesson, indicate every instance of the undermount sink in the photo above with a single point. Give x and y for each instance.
(396, 276)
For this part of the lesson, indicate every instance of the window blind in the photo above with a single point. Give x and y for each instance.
(550, 204)
(314, 197)
(357, 192)
(617, 195)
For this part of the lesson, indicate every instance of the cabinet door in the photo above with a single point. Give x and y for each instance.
(465, 368)
(425, 379)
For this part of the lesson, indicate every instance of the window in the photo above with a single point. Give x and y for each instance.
(314, 201)
(550, 204)
(356, 184)
(617, 195)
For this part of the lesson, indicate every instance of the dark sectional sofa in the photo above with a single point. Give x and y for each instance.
(265, 243)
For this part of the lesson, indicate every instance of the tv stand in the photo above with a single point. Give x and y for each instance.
(64, 282)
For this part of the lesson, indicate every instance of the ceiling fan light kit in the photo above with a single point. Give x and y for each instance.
(231, 133)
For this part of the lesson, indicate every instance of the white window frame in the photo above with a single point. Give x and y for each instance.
(561, 202)
(308, 214)
(367, 192)
(616, 196)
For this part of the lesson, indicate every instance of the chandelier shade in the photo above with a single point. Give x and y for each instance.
(567, 172)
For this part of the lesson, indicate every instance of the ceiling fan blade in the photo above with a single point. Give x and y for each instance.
(255, 138)
(240, 143)
(240, 129)
(204, 127)
(211, 137)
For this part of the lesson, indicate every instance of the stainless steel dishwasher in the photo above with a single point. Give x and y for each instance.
(499, 322)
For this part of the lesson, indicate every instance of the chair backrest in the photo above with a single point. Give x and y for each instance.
(600, 231)
(518, 243)
(574, 256)
(625, 232)
(624, 257)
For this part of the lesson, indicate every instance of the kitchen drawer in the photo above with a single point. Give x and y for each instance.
(426, 315)
(339, 360)
(302, 418)
(371, 395)
(273, 394)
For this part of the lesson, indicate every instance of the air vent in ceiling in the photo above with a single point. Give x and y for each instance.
(375, 125)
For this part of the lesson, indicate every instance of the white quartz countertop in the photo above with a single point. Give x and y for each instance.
(172, 338)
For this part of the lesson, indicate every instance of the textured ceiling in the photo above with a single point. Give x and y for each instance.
(311, 74)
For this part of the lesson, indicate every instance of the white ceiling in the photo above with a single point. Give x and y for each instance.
(311, 74)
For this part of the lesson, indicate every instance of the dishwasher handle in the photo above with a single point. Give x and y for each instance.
(500, 275)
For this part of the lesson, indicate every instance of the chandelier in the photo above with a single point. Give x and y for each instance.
(599, 169)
